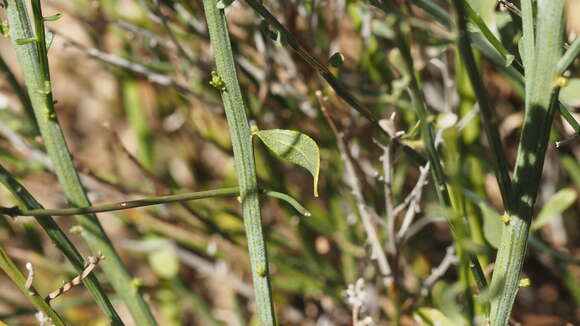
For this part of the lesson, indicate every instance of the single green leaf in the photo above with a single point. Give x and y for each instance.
(164, 261)
(294, 147)
(556, 205)
(492, 224)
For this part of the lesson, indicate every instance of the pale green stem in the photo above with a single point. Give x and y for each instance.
(569, 57)
(541, 103)
(243, 157)
(33, 59)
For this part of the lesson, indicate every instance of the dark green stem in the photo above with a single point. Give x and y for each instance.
(488, 117)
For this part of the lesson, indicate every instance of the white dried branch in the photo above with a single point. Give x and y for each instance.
(415, 195)
(438, 272)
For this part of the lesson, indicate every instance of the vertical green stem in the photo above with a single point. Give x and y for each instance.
(488, 117)
(540, 62)
(33, 59)
(243, 156)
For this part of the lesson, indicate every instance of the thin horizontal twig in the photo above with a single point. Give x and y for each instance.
(224, 192)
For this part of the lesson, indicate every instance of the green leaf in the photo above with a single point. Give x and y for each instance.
(556, 205)
(164, 261)
(294, 147)
(492, 224)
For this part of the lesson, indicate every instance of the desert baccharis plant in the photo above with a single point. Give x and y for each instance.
(401, 112)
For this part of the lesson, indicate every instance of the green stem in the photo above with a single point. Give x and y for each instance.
(16, 276)
(244, 158)
(34, 62)
(488, 117)
(489, 36)
(569, 57)
(541, 103)
(225, 192)
(55, 233)
(20, 92)
(569, 118)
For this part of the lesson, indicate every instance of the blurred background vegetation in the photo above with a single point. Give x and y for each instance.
(131, 78)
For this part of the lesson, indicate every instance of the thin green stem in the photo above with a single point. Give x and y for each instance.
(541, 103)
(225, 192)
(16, 276)
(568, 57)
(488, 116)
(544, 248)
(31, 53)
(243, 156)
(27, 202)
(569, 118)
(489, 36)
